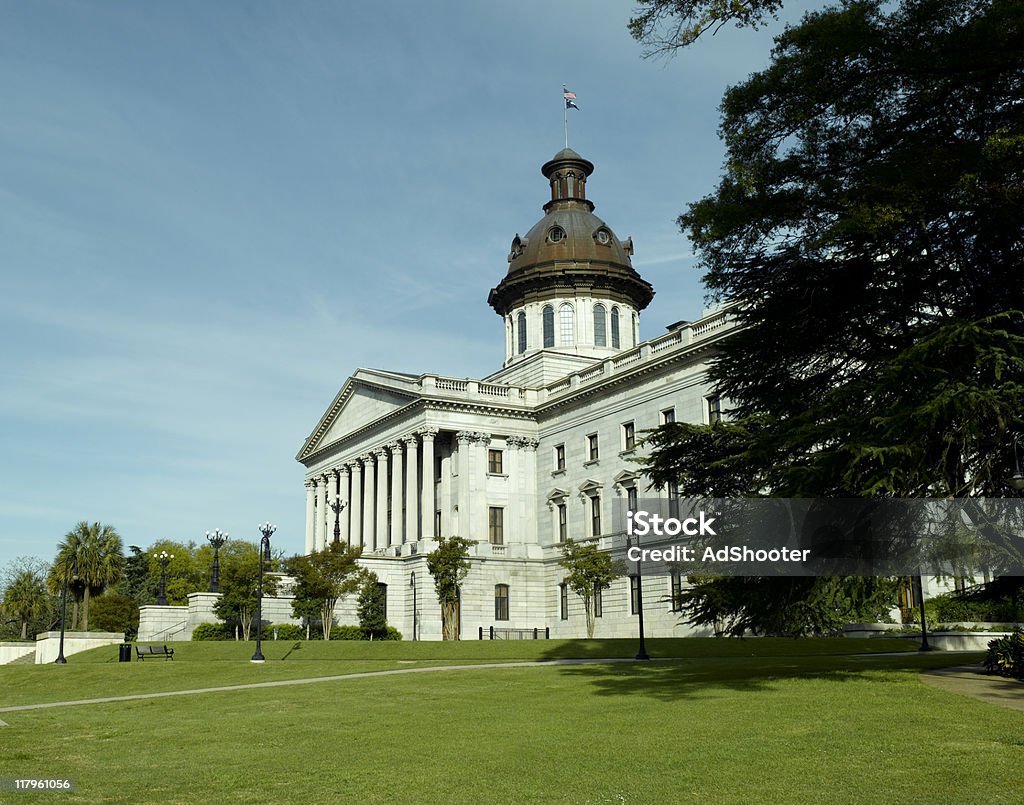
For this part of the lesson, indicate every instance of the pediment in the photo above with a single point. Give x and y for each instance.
(358, 405)
(590, 486)
(557, 494)
(626, 478)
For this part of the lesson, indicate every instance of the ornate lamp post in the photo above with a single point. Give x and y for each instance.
(412, 583)
(267, 530)
(163, 558)
(336, 506)
(641, 653)
(217, 539)
(61, 660)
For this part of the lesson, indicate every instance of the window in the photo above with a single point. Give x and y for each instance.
(595, 516)
(668, 416)
(437, 523)
(548, 315)
(556, 235)
(673, 498)
(592, 451)
(714, 404)
(521, 331)
(634, 595)
(563, 601)
(559, 457)
(598, 603)
(677, 590)
(563, 522)
(636, 330)
(383, 597)
(631, 498)
(629, 436)
(496, 525)
(600, 326)
(615, 328)
(494, 462)
(566, 325)
(501, 602)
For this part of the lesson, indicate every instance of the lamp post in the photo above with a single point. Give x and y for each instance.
(61, 660)
(336, 506)
(267, 530)
(163, 558)
(217, 539)
(919, 589)
(412, 583)
(641, 653)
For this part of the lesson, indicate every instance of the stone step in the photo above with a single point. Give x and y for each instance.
(28, 659)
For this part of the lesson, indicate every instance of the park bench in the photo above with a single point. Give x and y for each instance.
(153, 651)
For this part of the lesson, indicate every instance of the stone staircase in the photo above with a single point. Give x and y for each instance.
(28, 659)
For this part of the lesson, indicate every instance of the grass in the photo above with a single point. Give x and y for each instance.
(733, 721)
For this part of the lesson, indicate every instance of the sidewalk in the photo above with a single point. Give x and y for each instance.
(971, 680)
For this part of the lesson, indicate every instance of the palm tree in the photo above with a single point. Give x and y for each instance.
(25, 598)
(95, 553)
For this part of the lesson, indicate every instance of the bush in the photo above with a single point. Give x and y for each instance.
(213, 631)
(952, 608)
(285, 631)
(346, 633)
(1006, 655)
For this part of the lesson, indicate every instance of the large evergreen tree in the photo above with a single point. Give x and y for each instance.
(867, 231)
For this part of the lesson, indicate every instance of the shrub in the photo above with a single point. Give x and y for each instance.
(951, 608)
(115, 613)
(285, 631)
(346, 633)
(1006, 655)
(213, 631)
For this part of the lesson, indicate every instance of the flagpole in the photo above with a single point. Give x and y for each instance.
(565, 117)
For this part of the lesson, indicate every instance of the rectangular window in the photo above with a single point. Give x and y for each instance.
(563, 601)
(496, 525)
(437, 523)
(631, 498)
(559, 457)
(592, 451)
(714, 404)
(563, 522)
(501, 602)
(628, 436)
(676, 590)
(598, 604)
(668, 416)
(634, 595)
(595, 516)
(673, 499)
(383, 597)
(494, 462)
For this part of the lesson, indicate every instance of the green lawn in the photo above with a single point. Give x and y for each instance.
(732, 721)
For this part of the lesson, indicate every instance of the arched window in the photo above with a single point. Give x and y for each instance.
(521, 327)
(566, 325)
(549, 326)
(572, 185)
(501, 602)
(600, 326)
(615, 328)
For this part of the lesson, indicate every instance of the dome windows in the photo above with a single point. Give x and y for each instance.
(603, 236)
(566, 325)
(556, 234)
(521, 331)
(600, 326)
(615, 328)
(548, 317)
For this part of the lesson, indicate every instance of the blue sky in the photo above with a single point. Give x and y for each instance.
(212, 213)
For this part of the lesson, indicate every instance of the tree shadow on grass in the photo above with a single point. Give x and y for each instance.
(675, 679)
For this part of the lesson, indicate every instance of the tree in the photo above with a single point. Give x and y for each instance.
(116, 613)
(867, 232)
(184, 572)
(94, 554)
(589, 572)
(239, 576)
(448, 566)
(372, 608)
(25, 597)
(322, 577)
(663, 26)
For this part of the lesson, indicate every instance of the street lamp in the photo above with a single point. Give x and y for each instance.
(919, 588)
(217, 539)
(267, 530)
(336, 506)
(412, 583)
(1017, 479)
(64, 607)
(641, 653)
(163, 558)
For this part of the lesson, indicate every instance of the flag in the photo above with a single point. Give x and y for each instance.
(570, 99)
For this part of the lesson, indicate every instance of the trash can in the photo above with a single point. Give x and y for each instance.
(124, 652)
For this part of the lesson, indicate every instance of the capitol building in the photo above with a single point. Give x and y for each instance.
(541, 450)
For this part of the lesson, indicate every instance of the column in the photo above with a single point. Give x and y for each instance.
(343, 493)
(478, 486)
(321, 512)
(369, 466)
(356, 504)
(429, 505)
(381, 532)
(310, 515)
(395, 534)
(465, 441)
(528, 484)
(412, 489)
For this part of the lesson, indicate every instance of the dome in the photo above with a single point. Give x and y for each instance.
(569, 247)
